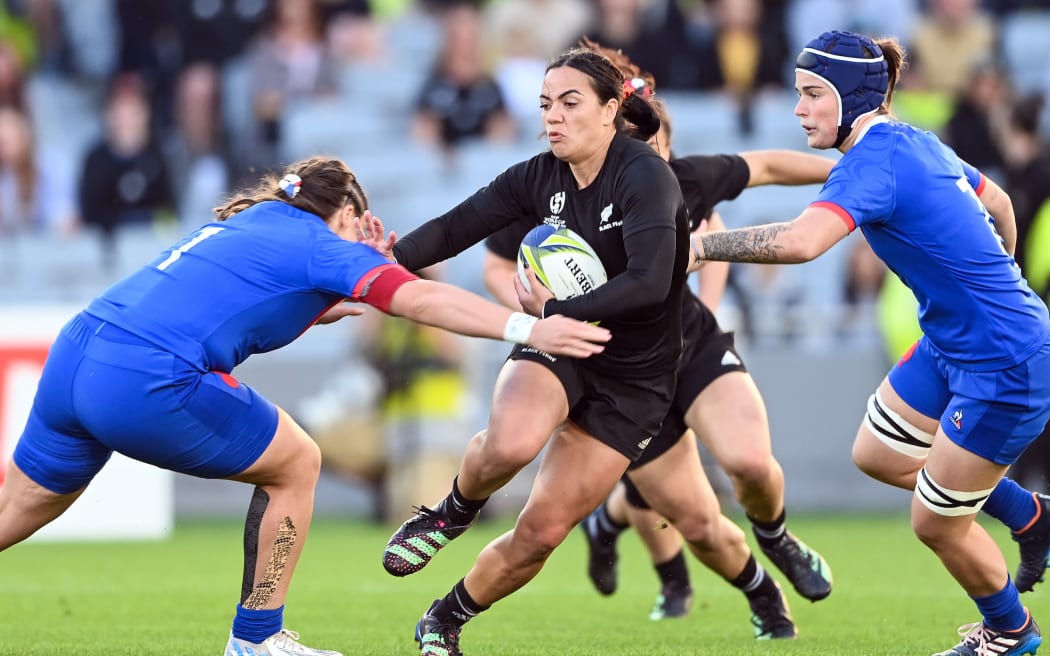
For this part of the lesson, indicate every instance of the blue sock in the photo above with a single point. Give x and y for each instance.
(1011, 504)
(1003, 611)
(257, 625)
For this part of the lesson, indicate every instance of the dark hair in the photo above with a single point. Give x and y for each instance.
(608, 82)
(328, 184)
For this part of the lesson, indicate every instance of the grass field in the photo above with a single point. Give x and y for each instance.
(177, 597)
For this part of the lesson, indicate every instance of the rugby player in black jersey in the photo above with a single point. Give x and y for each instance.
(717, 399)
(602, 180)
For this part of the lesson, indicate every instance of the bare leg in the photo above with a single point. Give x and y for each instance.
(279, 517)
(577, 473)
(528, 405)
(730, 419)
(873, 457)
(25, 506)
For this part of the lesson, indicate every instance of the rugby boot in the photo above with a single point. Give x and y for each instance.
(419, 539)
(771, 617)
(804, 567)
(979, 640)
(283, 643)
(674, 600)
(601, 554)
(436, 639)
(1034, 543)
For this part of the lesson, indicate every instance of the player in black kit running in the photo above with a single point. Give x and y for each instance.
(603, 181)
(730, 414)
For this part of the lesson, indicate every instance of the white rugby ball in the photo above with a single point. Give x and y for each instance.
(562, 260)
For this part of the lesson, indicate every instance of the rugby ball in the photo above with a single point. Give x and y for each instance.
(562, 260)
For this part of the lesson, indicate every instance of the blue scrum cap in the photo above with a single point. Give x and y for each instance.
(854, 67)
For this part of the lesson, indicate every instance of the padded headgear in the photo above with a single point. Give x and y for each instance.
(854, 67)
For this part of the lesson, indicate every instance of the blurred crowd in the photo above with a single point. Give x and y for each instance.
(124, 115)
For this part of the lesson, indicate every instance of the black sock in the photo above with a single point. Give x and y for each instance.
(673, 571)
(754, 581)
(460, 509)
(457, 608)
(767, 533)
(608, 528)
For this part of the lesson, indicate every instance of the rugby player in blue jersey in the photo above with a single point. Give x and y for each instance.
(145, 370)
(959, 408)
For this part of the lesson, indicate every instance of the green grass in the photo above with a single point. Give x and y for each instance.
(177, 597)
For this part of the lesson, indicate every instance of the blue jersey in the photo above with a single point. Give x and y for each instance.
(917, 204)
(249, 284)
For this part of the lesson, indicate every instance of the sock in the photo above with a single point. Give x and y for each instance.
(673, 571)
(767, 533)
(457, 608)
(460, 509)
(1003, 611)
(257, 625)
(1012, 505)
(754, 581)
(608, 528)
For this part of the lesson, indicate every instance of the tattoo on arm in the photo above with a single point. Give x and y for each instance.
(757, 244)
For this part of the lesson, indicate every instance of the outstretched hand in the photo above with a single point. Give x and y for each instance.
(369, 230)
(559, 335)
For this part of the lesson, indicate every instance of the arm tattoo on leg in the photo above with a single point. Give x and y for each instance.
(757, 244)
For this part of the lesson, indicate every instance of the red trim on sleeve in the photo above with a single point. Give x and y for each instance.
(851, 225)
(227, 378)
(980, 184)
(377, 287)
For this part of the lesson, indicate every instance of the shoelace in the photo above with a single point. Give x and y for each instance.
(287, 639)
(978, 636)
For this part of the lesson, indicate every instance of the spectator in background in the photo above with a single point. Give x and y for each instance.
(124, 178)
(522, 36)
(289, 62)
(739, 57)
(1028, 183)
(12, 77)
(423, 406)
(460, 99)
(652, 34)
(980, 117)
(949, 39)
(196, 148)
(35, 195)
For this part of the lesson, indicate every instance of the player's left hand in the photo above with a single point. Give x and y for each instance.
(370, 231)
(533, 299)
(338, 311)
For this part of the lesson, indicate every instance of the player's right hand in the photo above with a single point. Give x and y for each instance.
(560, 335)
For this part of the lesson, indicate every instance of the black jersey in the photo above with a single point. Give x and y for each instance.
(632, 215)
(705, 180)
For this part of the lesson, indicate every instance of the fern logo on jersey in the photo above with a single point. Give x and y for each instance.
(606, 220)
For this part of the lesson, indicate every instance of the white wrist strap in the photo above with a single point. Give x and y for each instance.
(518, 328)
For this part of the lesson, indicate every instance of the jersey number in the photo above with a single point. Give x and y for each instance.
(965, 187)
(177, 252)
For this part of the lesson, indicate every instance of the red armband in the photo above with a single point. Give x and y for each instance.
(377, 287)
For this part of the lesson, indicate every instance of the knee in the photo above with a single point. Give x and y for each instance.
(308, 461)
(750, 469)
(931, 530)
(700, 530)
(536, 541)
(504, 449)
